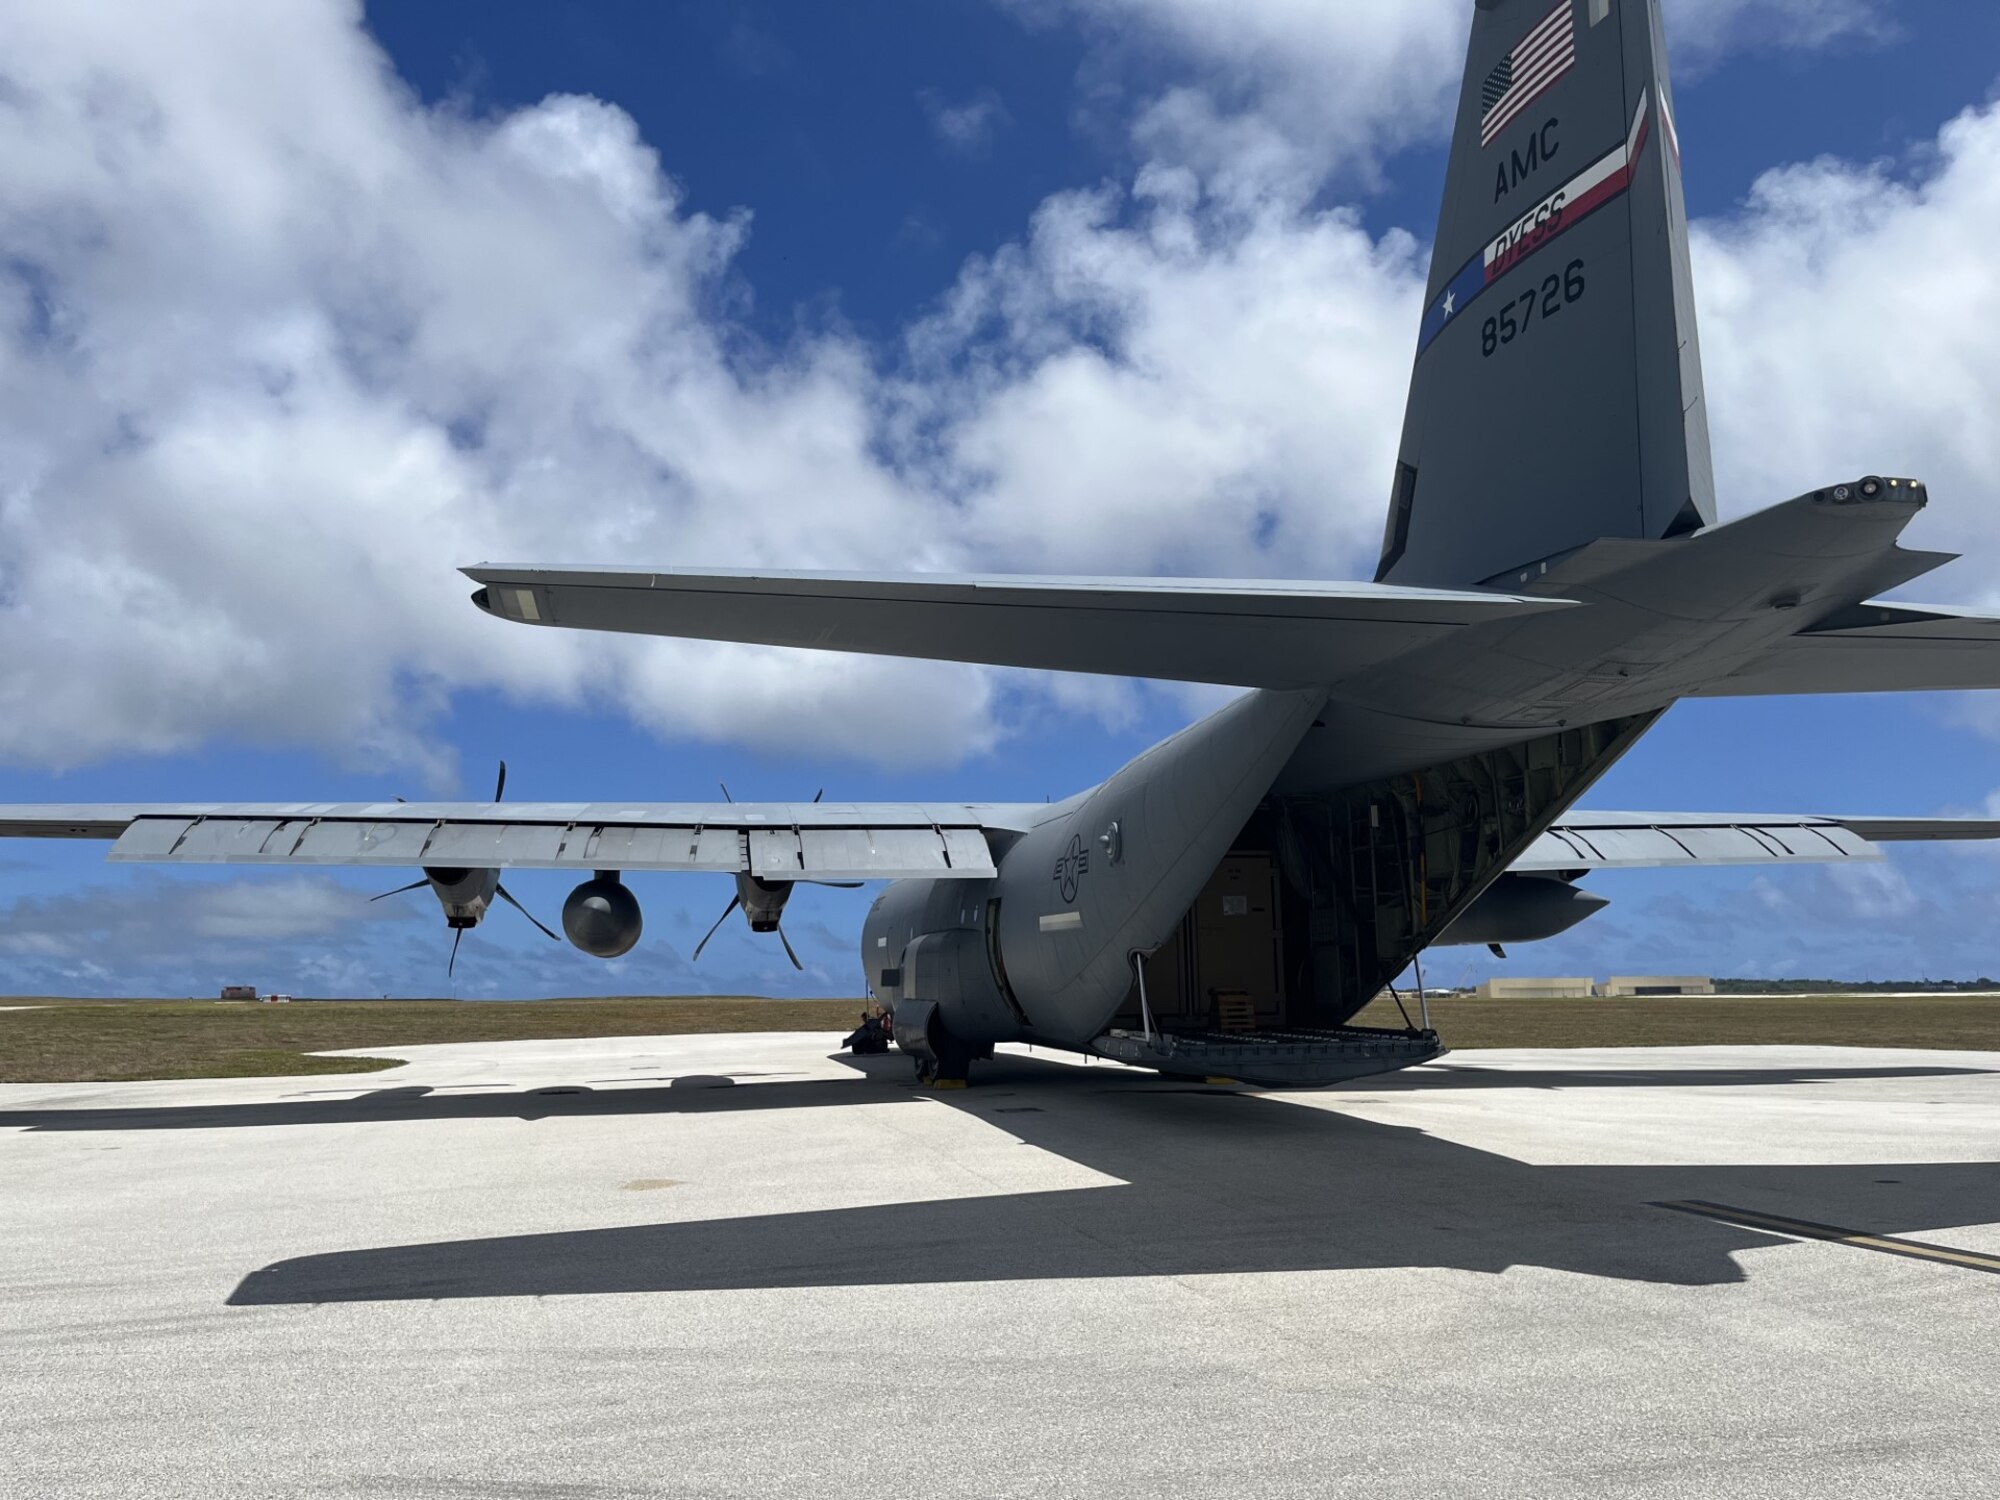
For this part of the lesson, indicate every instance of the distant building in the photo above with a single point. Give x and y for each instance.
(1535, 989)
(277, 999)
(239, 992)
(1633, 985)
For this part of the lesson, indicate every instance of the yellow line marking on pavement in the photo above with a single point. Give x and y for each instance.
(1806, 1229)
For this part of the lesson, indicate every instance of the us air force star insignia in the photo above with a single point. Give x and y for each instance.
(1069, 869)
(1450, 303)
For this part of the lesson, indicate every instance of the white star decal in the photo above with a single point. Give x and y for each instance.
(1450, 303)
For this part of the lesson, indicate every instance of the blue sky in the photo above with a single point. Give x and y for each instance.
(307, 308)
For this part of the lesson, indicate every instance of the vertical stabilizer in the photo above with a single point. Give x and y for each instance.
(1557, 393)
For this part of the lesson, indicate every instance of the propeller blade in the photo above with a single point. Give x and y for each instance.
(500, 786)
(788, 949)
(838, 885)
(457, 937)
(725, 791)
(734, 902)
(819, 794)
(508, 896)
(414, 885)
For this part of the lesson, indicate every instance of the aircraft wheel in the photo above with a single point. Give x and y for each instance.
(947, 1068)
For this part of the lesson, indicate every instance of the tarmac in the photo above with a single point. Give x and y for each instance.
(745, 1265)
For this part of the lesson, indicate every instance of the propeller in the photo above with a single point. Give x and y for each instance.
(765, 907)
(734, 902)
(458, 933)
(508, 896)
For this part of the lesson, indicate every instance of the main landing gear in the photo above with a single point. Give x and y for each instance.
(948, 1064)
(943, 1061)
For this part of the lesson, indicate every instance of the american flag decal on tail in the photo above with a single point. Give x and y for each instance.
(1526, 73)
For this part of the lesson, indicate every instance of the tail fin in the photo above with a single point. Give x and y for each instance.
(1557, 392)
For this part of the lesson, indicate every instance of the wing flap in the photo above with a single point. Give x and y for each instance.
(1637, 841)
(624, 847)
(1584, 840)
(151, 838)
(776, 853)
(776, 841)
(769, 853)
(474, 845)
(335, 840)
(1248, 633)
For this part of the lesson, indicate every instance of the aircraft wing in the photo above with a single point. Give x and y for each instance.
(836, 840)
(1635, 841)
(771, 840)
(1876, 648)
(1246, 633)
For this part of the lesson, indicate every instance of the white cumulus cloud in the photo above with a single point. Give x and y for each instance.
(281, 347)
(161, 918)
(1305, 88)
(1155, 381)
(1702, 30)
(1846, 328)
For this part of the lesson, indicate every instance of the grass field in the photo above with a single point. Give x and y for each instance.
(69, 1040)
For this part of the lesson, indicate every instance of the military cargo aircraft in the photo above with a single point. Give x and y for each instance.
(1404, 767)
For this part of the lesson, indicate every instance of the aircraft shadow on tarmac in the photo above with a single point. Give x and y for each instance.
(885, 1079)
(1211, 1182)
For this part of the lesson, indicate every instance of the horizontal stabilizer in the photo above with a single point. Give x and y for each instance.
(1875, 648)
(1254, 633)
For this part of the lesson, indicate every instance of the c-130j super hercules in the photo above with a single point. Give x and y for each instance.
(1402, 771)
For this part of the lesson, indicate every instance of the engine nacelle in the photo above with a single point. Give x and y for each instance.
(465, 895)
(602, 916)
(763, 901)
(1522, 909)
